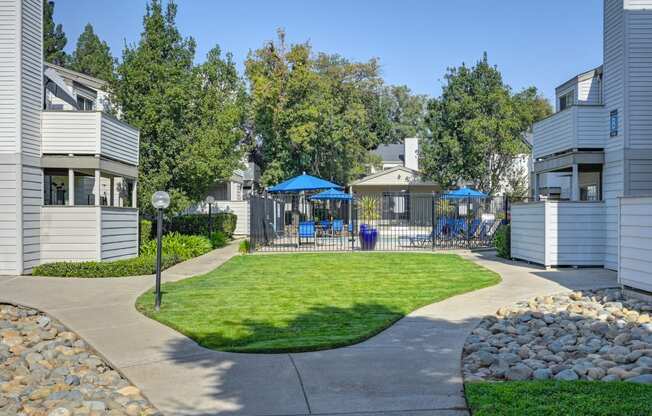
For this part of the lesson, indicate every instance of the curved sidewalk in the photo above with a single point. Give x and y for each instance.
(412, 368)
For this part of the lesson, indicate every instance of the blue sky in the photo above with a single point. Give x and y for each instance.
(541, 43)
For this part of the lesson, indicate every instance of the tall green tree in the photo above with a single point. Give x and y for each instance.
(317, 113)
(406, 113)
(217, 126)
(92, 56)
(189, 117)
(477, 128)
(54, 39)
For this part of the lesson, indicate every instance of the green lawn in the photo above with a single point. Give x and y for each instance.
(305, 302)
(543, 398)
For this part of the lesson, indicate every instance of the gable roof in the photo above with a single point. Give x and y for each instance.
(389, 172)
(85, 80)
(394, 152)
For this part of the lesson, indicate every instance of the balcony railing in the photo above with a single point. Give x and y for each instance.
(89, 133)
(579, 127)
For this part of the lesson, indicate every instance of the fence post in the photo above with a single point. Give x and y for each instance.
(432, 221)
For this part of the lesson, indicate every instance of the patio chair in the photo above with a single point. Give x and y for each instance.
(475, 226)
(423, 239)
(324, 227)
(306, 231)
(338, 227)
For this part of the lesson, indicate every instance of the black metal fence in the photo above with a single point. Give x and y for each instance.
(374, 221)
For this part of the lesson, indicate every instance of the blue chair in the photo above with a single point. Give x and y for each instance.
(338, 226)
(325, 225)
(475, 226)
(306, 231)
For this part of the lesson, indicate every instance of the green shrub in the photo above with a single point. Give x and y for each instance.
(145, 231)
(244, 247)
(137, 266)
(197, 224)
(178, 245)
(502, 241)
(218, 239)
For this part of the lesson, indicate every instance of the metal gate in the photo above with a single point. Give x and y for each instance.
(389, 221)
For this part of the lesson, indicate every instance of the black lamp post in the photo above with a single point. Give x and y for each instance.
(160, 201)
(210, 200)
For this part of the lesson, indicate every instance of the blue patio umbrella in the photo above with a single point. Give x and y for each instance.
(331, 195)
(303, 182)
(464, 193)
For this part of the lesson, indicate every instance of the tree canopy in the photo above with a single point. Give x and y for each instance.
(319, 112)
(190, 117)
(54, 39)
(92, 56)
(477, 127)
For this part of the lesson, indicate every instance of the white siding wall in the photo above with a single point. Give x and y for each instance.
(580, 127)
(640, 177)
(614, 96)
(9, 102)
(575, 234)
(241, 210)
(119, 233)
(589, 91)
(88, 233)
(31, 106)
(73, 132)
(554, 134)
(528, 232)
(635, 242)
(32, 201)
(592, 125)
(8, 207)
(120, 141)
(9, 122)
(32, 77)
(89, 133)
(20, 140)
(69, 234)
(555, 233)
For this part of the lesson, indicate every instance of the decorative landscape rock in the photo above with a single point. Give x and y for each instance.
(594, 335)
(46, 370)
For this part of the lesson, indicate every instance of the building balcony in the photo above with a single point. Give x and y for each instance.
(88, 233)
(89, 133)
(578, 127)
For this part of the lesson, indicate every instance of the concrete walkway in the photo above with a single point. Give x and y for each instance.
(412, 368)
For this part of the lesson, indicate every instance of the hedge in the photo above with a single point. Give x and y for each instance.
(178, 245)
(145, 231)
(137, 266)
(502, 241)
(197, 224)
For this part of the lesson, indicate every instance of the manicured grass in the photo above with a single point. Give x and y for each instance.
(304, 302)
(542, 398)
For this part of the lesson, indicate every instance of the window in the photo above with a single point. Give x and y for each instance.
(85, 104)
(55, 187)
(613, 123)
(566, 100)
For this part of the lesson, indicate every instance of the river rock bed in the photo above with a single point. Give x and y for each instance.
(592, 335)
(46, 370)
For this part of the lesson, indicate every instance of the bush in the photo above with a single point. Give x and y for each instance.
(178, 245)
(244, 247)
(218, 239)
(502, 241)
(145, 231)
(197, 224)
(137, 266)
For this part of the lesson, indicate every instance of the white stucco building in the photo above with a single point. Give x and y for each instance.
(67, 169)
(593, 161)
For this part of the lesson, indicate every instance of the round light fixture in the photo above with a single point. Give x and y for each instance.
(210, 199)
(160, 200)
